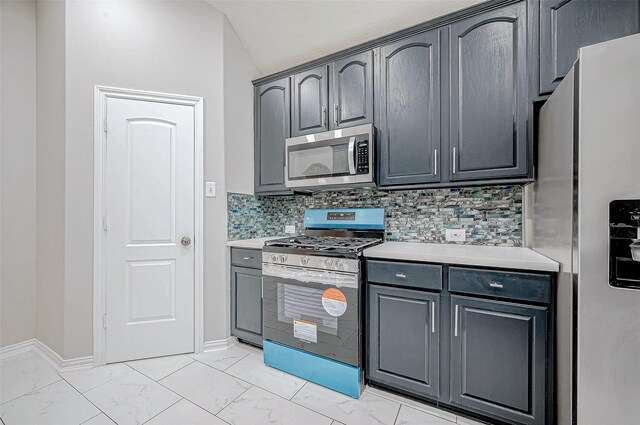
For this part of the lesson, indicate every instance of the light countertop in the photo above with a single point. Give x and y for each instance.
(468, 255)
(256, 243)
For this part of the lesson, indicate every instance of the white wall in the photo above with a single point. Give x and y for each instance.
(50, 158)
(17, 171)
(239, 71)
(166, 46)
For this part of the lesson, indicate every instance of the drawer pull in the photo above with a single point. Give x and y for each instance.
(433, 317)
(496, 285)
(401, 275)
(247, 258)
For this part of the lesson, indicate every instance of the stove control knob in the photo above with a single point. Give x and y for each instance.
(283, 258)
(274, 258)
(339, 265)
(304, 260)
(328, 262)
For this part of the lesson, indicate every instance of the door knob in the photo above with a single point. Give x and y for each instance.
(186, 241)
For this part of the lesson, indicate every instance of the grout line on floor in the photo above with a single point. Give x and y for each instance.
(32, 391)
(86, 398)
(93, 417)
(158, 380)
(397, 414)
(168, 407)
(299, 389)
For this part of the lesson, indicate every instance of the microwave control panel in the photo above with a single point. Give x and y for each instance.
(362, 156)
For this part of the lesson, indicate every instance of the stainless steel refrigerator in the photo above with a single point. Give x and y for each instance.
(589, 156)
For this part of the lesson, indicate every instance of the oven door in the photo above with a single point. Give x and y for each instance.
(313, 310)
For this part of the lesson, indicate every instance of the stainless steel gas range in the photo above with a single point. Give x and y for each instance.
(312, 297)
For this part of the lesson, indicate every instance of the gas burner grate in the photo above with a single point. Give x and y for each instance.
(325, 243)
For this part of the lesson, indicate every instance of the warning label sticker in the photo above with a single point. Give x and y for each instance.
(334, 302)
(307, 331)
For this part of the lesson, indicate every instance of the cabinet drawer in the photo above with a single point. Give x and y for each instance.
(246, 257)
(511, 285)
(423, 276)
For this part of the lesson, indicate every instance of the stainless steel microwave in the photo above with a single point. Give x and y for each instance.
(338, 159)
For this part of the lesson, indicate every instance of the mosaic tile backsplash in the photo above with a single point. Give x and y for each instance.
(489, 215)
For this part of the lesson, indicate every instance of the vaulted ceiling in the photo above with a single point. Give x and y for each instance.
(279, 34)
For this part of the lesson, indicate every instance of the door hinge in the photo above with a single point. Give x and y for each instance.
(105, 126)
(104, 321)
(105, 223)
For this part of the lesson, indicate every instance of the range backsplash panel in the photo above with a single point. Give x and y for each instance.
(490, 215)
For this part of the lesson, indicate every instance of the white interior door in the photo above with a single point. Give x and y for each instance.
(149, 208)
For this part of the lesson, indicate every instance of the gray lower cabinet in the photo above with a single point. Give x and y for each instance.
(246, 301)
(272, 127)
(567, 25)
(404, 339)
(408, 110)
(499, 358)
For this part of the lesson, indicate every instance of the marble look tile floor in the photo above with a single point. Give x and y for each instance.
(230, 386)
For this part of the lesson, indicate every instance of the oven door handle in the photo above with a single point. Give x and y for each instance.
(352, 158)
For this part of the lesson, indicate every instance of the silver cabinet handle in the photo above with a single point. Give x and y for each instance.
(262, 287)
(324, 116)
(496, 285)
(335, 111)
(433, 317)
(454, 160)
(455, 322)
(435, 162)
(247, 258)
(401, 275)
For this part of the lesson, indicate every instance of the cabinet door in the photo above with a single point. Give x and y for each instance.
(489, 95)
(246, 304)
(409, 110)
(498, 358)
(404, 339)
(351, 94)
(272, 127)
(567, 25)
(310, 100)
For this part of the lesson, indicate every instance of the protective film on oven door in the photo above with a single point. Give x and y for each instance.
(314, 317)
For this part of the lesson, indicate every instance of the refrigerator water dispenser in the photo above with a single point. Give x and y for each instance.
(624, 243)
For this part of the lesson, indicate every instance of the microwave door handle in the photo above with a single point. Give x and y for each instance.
(352, 159)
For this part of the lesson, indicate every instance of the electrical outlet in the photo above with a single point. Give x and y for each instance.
(455, 235)
(290, 230)
(210, 190)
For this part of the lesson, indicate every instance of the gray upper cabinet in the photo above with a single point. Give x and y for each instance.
(310, 101)
(498, 359)
(404, 339)
(351, 94)
(567, 25)
(489, 95)
(408, 110)
(272, 127)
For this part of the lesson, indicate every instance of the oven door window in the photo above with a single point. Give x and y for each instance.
(304, 303)
(319, 159)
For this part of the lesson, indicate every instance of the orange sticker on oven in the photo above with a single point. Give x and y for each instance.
(334, 302)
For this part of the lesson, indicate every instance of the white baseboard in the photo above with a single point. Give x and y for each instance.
(220, 344)
(18, 348)
(47, 354)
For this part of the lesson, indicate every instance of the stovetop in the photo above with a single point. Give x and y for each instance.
(323, 244)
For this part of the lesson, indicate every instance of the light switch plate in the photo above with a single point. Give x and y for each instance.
(455, 235)
(290, 230)
(210, 190)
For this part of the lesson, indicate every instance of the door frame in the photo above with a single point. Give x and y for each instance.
(101, 95)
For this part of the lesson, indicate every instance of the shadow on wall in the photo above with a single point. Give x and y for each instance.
(490, 215)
